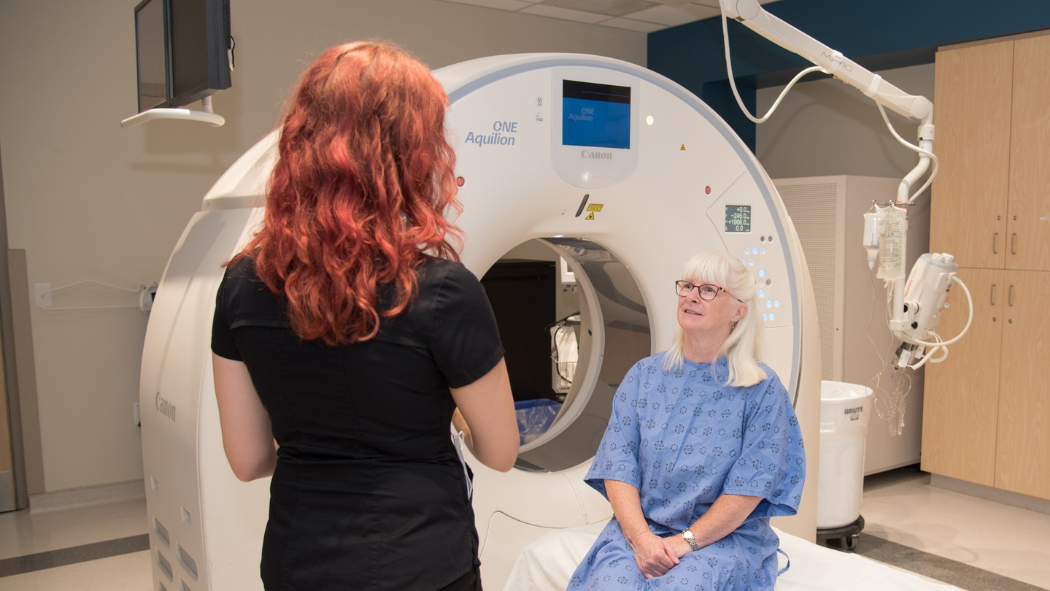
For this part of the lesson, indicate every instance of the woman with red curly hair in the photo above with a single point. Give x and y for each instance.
(347, 336)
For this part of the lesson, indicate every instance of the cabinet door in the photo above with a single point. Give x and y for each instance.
(961, 393)
(972, 115)
(1023, 450)
(1028, 224)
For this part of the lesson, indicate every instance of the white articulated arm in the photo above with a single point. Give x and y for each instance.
(904, 321)
(751, 14)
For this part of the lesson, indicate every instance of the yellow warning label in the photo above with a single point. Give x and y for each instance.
(595, 207)
(683, 148)
(590, 216)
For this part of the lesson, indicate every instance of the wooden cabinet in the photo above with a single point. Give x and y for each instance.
(972, 113)
(1028, 220)
(962, 393)
(1022, 453)
(986, 417)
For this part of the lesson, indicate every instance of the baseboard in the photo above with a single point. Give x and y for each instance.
(84, 497)
(989, 493)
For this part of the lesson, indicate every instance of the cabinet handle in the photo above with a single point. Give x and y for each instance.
(992, 297)
(1010, 296)
(1013, 238)
(995, 239)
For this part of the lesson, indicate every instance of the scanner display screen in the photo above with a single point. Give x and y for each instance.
(596, 115)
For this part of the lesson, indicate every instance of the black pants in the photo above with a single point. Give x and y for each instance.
(468, 582)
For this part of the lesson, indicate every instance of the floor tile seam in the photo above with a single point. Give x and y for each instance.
(73, 555)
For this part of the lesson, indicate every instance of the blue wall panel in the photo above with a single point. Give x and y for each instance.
(879, 35)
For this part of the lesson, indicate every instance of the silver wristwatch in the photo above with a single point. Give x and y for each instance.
(688, 535)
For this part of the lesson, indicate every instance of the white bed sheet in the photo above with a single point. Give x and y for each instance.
(548, 563)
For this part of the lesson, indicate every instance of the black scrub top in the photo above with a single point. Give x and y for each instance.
(368, 492)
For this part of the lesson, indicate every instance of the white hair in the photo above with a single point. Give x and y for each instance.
(744, 343)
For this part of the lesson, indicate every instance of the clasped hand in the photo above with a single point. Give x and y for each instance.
(655, 555)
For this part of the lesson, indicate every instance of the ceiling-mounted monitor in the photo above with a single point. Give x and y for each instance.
(181, 51)
(200, 34)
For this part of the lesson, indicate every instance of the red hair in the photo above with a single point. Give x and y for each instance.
(363, 177)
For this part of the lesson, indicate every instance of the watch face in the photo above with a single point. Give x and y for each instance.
(688, 535)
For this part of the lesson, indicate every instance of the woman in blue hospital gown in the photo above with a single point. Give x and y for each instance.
(702, 448)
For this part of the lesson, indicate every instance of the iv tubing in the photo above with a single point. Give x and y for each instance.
(732, 81)
(929, 356)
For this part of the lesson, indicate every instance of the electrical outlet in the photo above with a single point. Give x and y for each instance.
(137, 416)
(43, 294)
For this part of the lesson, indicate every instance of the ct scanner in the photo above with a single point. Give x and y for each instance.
(625, 203)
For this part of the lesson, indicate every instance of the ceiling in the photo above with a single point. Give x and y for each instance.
(644, 16)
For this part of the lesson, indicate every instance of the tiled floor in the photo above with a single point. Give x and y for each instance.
(23, 533)
(128, 572)
(901, 506)
(898, 506)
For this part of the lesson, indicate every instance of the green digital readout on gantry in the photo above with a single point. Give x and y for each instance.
(738, 218)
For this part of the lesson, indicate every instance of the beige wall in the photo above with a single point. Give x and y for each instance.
(825, 127)
(89, 200)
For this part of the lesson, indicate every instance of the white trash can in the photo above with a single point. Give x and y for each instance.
(845, 410)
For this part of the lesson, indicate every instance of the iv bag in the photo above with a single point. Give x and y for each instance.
(893, 229)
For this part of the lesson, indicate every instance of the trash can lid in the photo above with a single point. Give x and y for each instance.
(831, 391)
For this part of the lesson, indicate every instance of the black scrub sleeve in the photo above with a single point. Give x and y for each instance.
(222, 343)
(464, 338)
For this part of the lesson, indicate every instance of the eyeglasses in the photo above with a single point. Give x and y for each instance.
(707, 291)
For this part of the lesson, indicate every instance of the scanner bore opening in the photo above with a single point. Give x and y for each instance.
(537, 302)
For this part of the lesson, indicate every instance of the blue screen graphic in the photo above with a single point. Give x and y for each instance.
(596, 115)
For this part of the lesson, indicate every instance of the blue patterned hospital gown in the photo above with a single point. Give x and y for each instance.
(684, 438)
